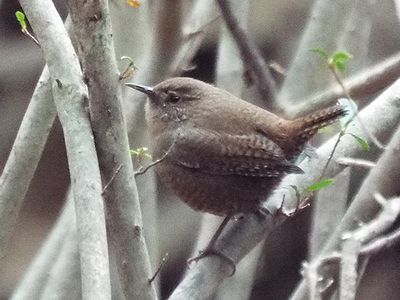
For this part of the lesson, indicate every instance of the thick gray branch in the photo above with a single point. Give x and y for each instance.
(383, 179)
(360, 85)
(93, 32)
(64, 273)
(24, 156)
(70, 94)
(203, 278)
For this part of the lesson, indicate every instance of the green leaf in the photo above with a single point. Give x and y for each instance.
(341, 56)
(21, 19)
(141, 153)
(321, 52)
(363, 142)
(339, 60)
(320, 184)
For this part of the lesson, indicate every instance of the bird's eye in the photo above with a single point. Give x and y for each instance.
(173, 98)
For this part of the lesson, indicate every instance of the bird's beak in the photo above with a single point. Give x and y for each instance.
(141, 88)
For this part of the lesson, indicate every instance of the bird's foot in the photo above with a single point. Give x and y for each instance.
(301, 204)
(211, 251)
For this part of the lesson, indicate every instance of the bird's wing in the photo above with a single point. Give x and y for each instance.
(224, 154)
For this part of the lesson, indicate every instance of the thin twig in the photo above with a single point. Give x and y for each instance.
(27, 33)
(348, 161)
(152, 164)
(356, 116)
(250, 54)
(111, 179)
(156, 162)
(341, 134)
(343, 131)
(382, 243)
(162, 264)
(384, 220)
(372, 248)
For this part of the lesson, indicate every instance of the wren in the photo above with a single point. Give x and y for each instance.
(224, 155)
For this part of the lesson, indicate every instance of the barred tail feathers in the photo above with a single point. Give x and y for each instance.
(307, 126)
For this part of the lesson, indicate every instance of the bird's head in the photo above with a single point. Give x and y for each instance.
(174, 100)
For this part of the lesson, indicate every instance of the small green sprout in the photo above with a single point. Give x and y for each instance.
(22, 22)
(337, 61)
(141, 153)
(21, 19)
(322, 184)
(321, 52)
(361, 141)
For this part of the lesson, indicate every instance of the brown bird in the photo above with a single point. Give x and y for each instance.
(223, 155)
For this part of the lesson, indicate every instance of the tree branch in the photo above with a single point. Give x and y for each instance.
(229, 76)
(304, 76)
(64, 280)
(202, 15)
(24, 156)
(362, 84)
(382, 178)
(69, 94)
(353, 241)
(92, 28)
(354, 162)
(251, 55)
(330, 204)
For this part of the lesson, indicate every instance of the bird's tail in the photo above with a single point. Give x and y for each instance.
(305, 127)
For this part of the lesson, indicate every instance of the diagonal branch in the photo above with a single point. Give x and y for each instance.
(361, 84)
(195, 28)
(250, 54)
(382, 178)
(24, 156)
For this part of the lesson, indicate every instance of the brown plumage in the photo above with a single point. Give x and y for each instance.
(227, 155)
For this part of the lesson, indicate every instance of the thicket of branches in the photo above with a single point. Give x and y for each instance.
(112, 235)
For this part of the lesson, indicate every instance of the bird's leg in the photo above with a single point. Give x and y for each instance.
(210, 249)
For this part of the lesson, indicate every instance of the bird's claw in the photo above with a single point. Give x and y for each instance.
(212, 251)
